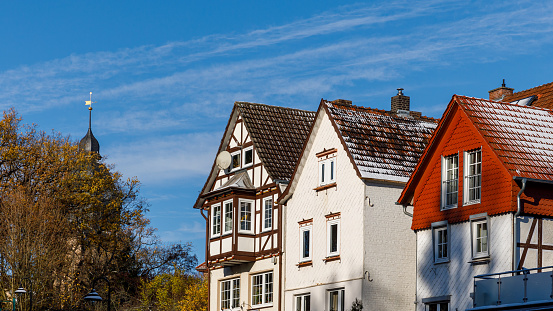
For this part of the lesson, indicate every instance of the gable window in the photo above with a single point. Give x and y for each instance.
(439, 306)
(262, 289)
(480, 236)
(235, 160)
(473, 176)
(440, 232)
(305, 242)
(303, 302)
(246, 216)
(228, 217)
(267, 214)
(450, 181)
(248, 156)
(336, 300)
(333, 237)
(215, 220)
(440, 303)
(230, 294)
(327, 166)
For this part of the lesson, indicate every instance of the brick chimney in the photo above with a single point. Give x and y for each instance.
(342, 102)
(400, 101)
(501, 92)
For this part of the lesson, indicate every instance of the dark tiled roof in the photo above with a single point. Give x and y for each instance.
(521, 136)
(382, 144)
(543, 92)
(278, 135)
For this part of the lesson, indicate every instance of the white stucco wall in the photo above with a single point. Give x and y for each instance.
(347, 198)
(389, 250)
(455, 277)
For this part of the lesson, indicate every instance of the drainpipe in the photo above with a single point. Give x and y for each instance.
(405, 210)
(206, 253)
(515, 228)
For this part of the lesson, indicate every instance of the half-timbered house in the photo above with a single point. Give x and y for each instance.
(255, 161)
(482, 197)
(345, 240)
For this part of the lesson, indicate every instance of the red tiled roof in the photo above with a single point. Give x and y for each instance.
(521, 136)
(278, 134)
(382, 144)
(543, 92)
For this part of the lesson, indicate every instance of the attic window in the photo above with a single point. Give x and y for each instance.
(235, 160)
(248, 156)
(327, 167)
(450, 181)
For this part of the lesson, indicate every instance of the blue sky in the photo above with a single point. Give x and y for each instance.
(165, 74)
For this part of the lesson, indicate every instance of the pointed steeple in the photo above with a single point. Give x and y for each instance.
(89, 142)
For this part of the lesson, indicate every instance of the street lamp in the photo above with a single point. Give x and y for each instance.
(93, 296)
(21, 290)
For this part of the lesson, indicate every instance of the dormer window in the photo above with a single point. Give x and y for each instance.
(327, 167)
(450, 181)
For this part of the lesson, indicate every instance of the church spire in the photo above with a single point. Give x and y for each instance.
(89, 142)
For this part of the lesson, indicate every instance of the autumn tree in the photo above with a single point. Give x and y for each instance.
(68, 218)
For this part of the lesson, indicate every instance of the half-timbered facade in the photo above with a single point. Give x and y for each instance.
(482, 196)
(345, 239)
(239, 202)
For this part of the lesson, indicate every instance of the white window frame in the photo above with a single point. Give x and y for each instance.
(244, 164)
(341, 302)
(307, 228)
(265, 215)
(214, 208)
(300, 302)
(224, 216)
(437, 231)
(232, 155)
(468, 164)
(438, 306)
(234, 294)
(329, 224)
(267, 289)
(251, 216)
(327, 171)
(445, 181)
(475, 221)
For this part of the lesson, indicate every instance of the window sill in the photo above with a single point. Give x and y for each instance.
(480, 260)
(305, 263)
(324, 187)
(445, 208)
(471, 203)
(441, 262)
(246, 232)
(227, 233)
(331, 258)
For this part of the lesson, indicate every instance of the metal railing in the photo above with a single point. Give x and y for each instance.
(520, 286)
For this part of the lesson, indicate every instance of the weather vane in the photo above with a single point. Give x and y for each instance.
(89, 102)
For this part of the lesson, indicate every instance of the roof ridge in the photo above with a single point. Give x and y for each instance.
(504, 103)
(532, 88)
(272, 106)
(368, 109)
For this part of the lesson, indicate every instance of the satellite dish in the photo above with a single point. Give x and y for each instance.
(223, 160)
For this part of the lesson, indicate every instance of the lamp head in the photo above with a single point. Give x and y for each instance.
(92, 296)
(20, 291)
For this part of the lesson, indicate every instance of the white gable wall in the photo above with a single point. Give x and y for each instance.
(389, 250)
(306, 203)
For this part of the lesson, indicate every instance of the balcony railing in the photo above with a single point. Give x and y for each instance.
(513, 288)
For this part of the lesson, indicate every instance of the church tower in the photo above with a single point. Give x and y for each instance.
(89, 142)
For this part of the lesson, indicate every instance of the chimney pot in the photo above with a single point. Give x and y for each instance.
(400, 91)
(342, 102)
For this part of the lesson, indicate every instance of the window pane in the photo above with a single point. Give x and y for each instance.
(216, 220)
(334, 301)
(228, 216)
(268, 288)
(333, 238)
(444, 306)
(307, 303)
(245, 216)
(268, 221)
(322, 173)
(257, 289)
(225, 294)
(236, 160)
(248, 156)
(298, 303)
(306, 243)
(331, 170)
(236, 293)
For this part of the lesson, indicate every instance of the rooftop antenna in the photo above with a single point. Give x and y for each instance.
(89, 104)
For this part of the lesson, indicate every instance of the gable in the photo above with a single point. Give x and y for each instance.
(460, 135)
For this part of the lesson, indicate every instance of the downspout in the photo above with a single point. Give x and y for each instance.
(515, 228)
(405, 209)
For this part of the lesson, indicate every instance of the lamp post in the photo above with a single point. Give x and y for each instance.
(21, 290)
(93, 295)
